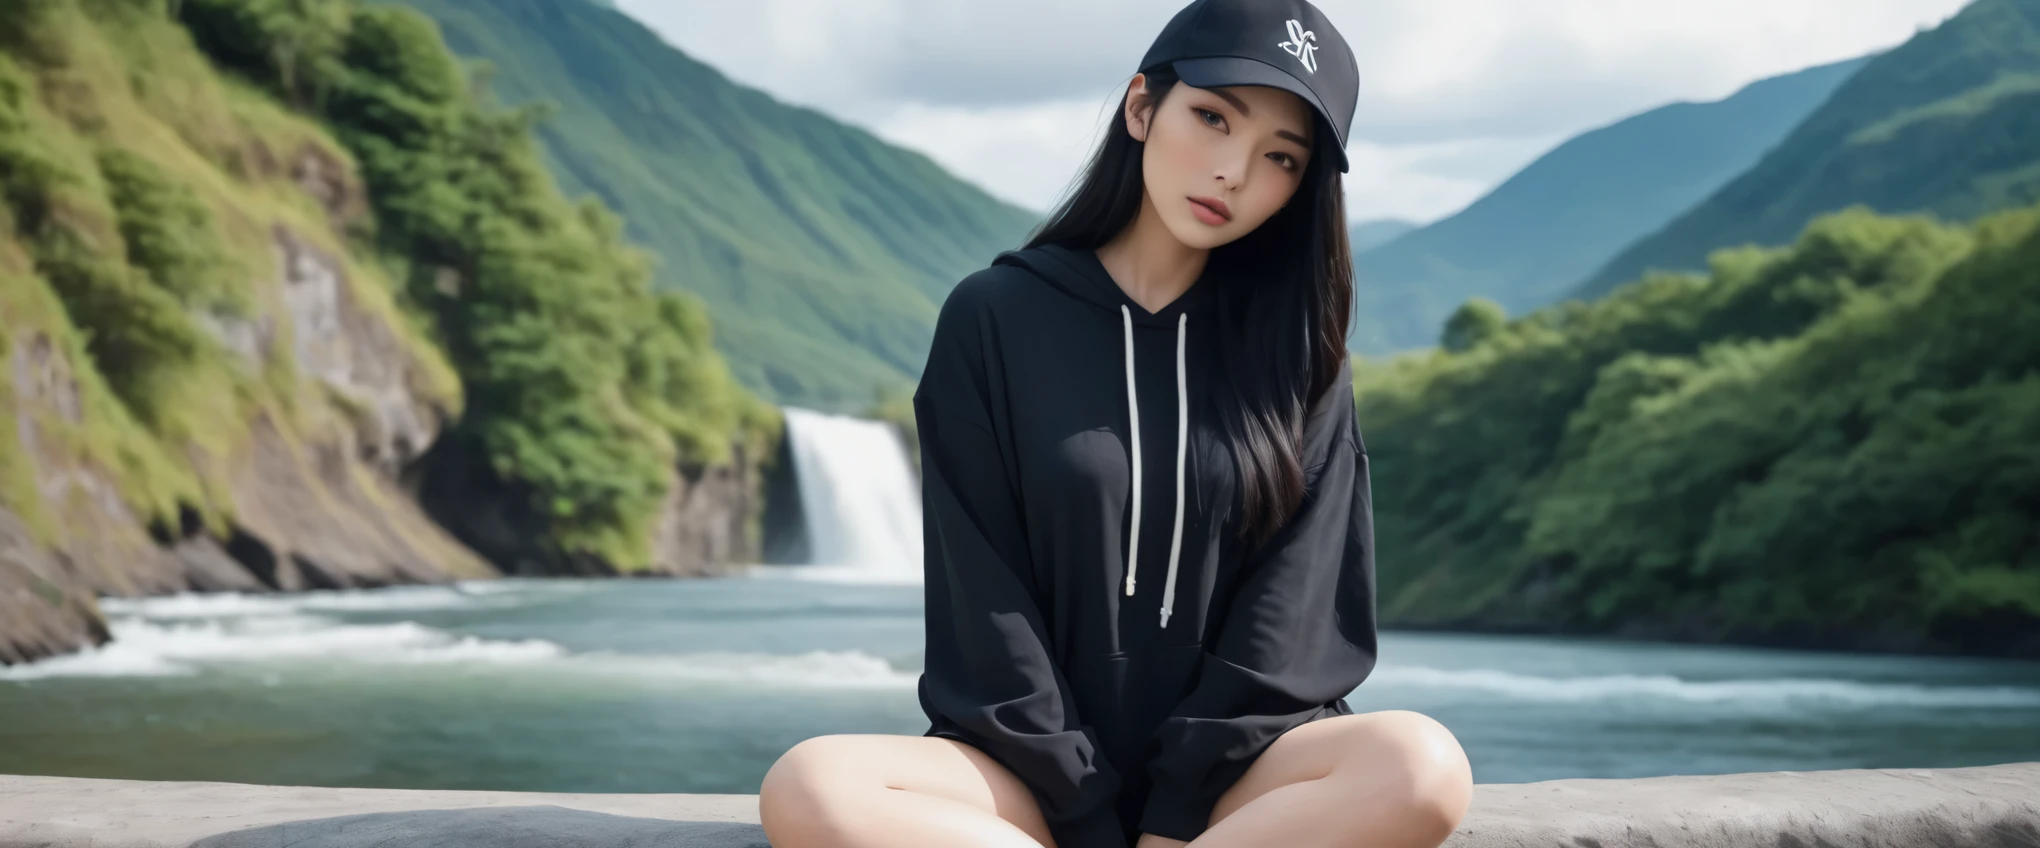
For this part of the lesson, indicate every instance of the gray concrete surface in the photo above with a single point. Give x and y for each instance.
(1987, 806)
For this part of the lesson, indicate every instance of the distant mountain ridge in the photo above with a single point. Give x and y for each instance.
(1368, 235)
(1947, 123)
(1527, 242)
(822, 251)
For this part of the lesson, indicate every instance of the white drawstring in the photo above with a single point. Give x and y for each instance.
(1133, 415)
(1182, 442)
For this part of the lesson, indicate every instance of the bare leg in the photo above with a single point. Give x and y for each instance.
(1388, 779)
(869, 790)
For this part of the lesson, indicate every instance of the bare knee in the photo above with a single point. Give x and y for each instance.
(1422, 768)
(808, 795)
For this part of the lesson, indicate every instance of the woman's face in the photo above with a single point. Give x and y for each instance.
(1244, 146)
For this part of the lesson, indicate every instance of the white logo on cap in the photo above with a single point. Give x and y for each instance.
(1302, 44)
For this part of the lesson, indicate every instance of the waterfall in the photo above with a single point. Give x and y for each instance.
(860, 497)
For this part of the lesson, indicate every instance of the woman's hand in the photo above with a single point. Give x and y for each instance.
(1149, 840)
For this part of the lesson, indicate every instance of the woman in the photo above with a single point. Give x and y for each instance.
(1149, 542)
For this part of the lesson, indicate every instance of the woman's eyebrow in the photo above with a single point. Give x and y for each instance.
(1241, 105)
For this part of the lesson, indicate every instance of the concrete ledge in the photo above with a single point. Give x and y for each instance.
(1986, 806)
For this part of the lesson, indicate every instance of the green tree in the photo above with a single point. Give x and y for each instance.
(1475, 321)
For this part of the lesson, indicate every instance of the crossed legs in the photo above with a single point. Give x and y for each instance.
(1387, 779)
(857, 790)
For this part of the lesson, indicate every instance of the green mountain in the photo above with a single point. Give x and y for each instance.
(1947, 123)
(1523, 244)
(1367, 235)
(822, 251)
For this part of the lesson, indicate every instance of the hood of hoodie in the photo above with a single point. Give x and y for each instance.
(1173, 371)
(1079, 273)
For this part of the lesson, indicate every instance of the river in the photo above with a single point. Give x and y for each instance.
(697, 685)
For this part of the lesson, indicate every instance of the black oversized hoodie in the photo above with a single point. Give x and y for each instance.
(1128, 699)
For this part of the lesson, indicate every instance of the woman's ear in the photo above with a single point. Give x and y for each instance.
(1136, 109)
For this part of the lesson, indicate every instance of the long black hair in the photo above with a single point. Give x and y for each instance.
(1282, 339)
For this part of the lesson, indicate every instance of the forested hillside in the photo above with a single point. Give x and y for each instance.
(822, 251)
(1947, 123)
(1834, 443)
(584, 387)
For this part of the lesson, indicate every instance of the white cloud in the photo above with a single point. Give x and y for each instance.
(1025, 154)
(1445, 67)
(845, 55)
(1455, 93)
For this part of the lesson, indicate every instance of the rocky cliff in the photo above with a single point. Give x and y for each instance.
(307, 493)
(216, 372)
(708, 524)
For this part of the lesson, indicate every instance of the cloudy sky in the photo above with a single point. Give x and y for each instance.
(1455, 94)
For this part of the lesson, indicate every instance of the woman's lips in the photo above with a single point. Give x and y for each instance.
(1210, 210)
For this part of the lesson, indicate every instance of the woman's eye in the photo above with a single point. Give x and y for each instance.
(1287, 160)
(1203, 112)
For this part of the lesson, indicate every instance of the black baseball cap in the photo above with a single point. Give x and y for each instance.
(1286, 44)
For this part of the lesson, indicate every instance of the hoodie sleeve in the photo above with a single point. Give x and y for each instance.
(1298, 634)
(990, 677)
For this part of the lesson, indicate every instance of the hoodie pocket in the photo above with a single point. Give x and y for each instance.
(1101, 687)
(1167, 675)
(1173, 672)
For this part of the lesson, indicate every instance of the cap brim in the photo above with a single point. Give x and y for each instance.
(1219, 71)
